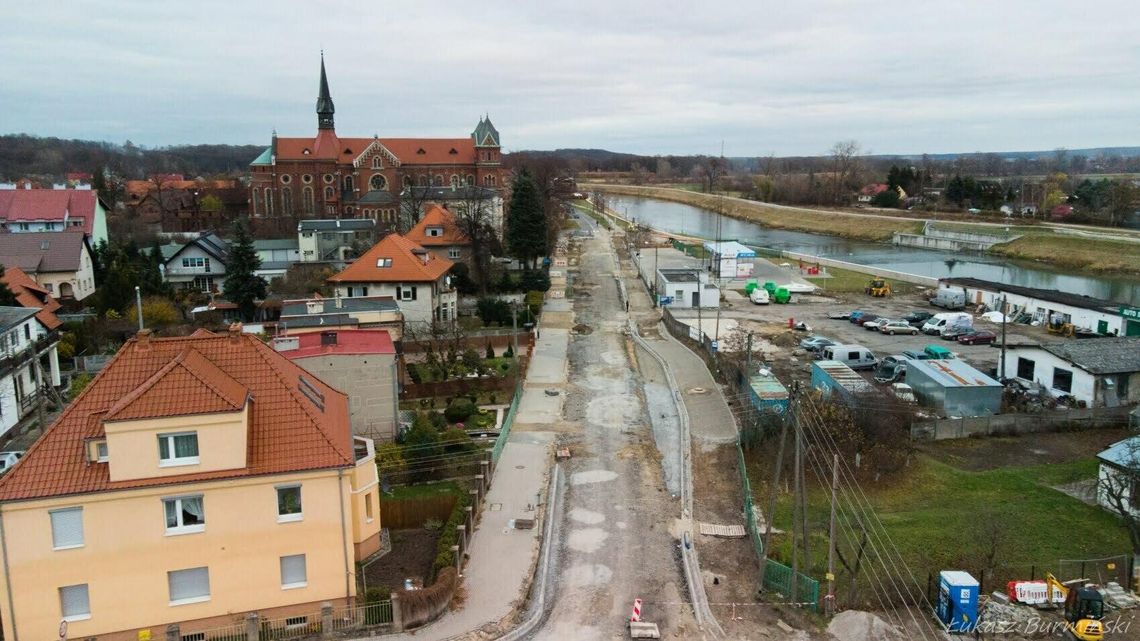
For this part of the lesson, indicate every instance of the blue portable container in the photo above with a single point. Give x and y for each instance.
(766, 393)
(957, 601)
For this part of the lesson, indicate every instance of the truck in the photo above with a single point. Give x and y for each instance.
(938, 322)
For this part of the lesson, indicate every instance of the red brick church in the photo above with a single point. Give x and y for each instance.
(327, 176)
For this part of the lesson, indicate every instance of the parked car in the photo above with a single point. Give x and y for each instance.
(891, 368)
(937, 322)
(759, 296)
(952, 332)
(838, 315)
(8, 459)
(937, 353)
(917, 356)
(866, 317)
(814, 343)
(855, 315)
(917, 318)
(853, 356)
(904, 393)
(800, 288)
(898, 327)
(977, 337)
(949, 298)
(875, 323)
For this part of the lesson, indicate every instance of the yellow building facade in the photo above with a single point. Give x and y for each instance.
(136, 510)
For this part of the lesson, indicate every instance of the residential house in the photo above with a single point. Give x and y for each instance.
(439, 232)
(60, 262)
(404, 270)
(199, 264)
(33, 296)
(339, 240)
(53, 210)
(29, 360)
(363, 364)
(1103, 372)
(195, 480)
(321, 314)
(868, 192)
(175, 205)
(460, 199)
(277, 256)
(1118, 477)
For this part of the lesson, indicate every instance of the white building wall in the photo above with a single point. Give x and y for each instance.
(1079, 317)
(420, 310)
(179, 274)
(1084, 384)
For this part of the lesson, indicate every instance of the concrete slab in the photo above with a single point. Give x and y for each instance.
(548, 365)
(537, 407)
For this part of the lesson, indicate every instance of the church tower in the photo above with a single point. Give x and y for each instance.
(325, 109)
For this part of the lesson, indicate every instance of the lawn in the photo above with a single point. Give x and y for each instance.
(846, 281)
(1076, 252)
(589, 211)
(940, 517)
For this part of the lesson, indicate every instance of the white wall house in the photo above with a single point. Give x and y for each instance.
(60, 262)
(1102, 372)
(686, 288)
(1118, 477)
(199, 264)
(1084, 312)
(23, 341)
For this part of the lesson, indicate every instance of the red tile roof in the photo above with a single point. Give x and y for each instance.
(437, 216)
(288, 432)
(411, 263)
(410, 151)
(348, 342)
(28, 205)
(29, 294)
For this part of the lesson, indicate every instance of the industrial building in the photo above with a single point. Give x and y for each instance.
(730, 259)
(1084, 312)
(686, 288)
(953, 388)
(1101, 372)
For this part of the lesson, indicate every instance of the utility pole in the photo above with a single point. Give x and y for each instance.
(748, 369)
(515, 331)
(1003, 321)
(829, 605)
(796, 512)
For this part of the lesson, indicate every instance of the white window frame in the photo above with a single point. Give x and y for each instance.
(193, 599)
(75, 617)
(82, 535)
(181, 529)
(175, 461)
(102, 452)
(453, 253)
(290, 518)
(296, 584)
(406, 293)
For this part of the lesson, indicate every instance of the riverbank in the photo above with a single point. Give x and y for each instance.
(1047, 245)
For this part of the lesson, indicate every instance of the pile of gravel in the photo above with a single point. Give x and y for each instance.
(854, 625)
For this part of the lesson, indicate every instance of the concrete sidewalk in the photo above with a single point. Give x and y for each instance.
(502, 559)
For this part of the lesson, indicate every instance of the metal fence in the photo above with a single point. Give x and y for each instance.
(508, 420)
(361, 616)
(800, 589)
(234, 632)
(294, 627)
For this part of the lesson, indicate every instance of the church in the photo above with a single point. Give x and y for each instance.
(327, 176)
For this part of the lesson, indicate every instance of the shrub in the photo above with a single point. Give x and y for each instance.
(438, 421)
(449, 536)
(78, 384)
(534, 279)
(459, 410)
(390, 459)
(490, 351)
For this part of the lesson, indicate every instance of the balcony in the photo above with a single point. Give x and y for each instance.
(12, 359)
(363, 449)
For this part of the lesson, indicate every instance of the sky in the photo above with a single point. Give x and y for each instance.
(763, 77)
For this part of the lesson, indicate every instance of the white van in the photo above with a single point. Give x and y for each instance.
(936, 322)
(853, 356)
(759, 296)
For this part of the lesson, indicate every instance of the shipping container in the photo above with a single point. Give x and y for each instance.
(953, 388)
(836, 379)
(766, 393)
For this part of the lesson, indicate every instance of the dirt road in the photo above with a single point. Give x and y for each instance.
(615, 544)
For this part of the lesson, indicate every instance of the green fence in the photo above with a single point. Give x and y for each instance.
(508, 420)
(777, 576)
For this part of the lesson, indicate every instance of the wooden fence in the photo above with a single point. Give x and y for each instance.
(413, 513)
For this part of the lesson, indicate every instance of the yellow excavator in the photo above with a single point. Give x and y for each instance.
(1084, 609)
(878, 288)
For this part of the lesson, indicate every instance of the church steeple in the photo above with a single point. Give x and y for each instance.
(325, 109)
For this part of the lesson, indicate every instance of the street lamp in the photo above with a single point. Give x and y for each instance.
(138, 306)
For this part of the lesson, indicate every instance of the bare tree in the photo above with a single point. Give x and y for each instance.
(1118, 488)
(846, 168)
(441, 343)
(474, 217)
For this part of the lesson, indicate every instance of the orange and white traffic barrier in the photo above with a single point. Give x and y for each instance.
(635, 616)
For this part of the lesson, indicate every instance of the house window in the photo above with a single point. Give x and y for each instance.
(307, 200)
(470, 179)
(1133, 491)
(289, 503)
(453, 253)
(307, 178)
(193, 262)
(293, 574)
(202, 283)
(1063, 379)
(330, 193)
(101, 453)
(50, 287)
(378, 182)
(435, 231)
(348, 184)
(27, 331)
(286, 200)
(377, 163)
(368, 507)
(454, 181)
(285, 178)
(184, 514)
(74, 603)
(256, 204)
(328, 179)
(383, 262)
(177, 449)
(66, 528)
(189, 586)
(268, 202)
(364, 290)
(407, 293)
(438, 180)
(1025, 368)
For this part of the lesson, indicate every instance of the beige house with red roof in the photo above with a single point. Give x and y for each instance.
(439, 232)
(196, 479)
(415, 277)
(330, 176)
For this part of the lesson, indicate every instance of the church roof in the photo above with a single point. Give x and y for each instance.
(485, 134)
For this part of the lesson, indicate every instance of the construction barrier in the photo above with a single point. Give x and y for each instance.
(635, 615)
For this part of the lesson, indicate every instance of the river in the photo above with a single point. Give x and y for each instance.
(686, 219)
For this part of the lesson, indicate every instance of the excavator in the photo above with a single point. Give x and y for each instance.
(878, 288)
(1084, 608)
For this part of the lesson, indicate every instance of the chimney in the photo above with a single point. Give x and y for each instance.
(234, 331)
(143, 338)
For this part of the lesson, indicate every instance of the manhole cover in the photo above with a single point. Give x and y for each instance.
(698, 390)
(495, 507)
(520, 467)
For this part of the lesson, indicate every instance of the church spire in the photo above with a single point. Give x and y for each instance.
(325, 107)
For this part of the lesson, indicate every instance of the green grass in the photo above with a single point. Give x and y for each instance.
(938, 516)
(403, 492)
(589, 211)
(1076, 252)
(846, 281)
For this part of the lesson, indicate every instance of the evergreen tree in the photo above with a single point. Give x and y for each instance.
(526, 223)
(243, 286)
(7, 298)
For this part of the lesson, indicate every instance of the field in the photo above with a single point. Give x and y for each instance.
(1076, 252)
(943, 517)
(845, 281)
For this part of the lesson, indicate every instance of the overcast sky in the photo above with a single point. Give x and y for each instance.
(782, 78)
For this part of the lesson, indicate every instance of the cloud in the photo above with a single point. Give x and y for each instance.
(646, 77)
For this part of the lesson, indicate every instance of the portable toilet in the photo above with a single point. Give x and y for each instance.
(957, 601)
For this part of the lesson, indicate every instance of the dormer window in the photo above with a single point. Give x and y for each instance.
(420, 151)
(453, 151)
(434, 231)
(177, 449)
(383, 262)
(306, 151)
(97, 451)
